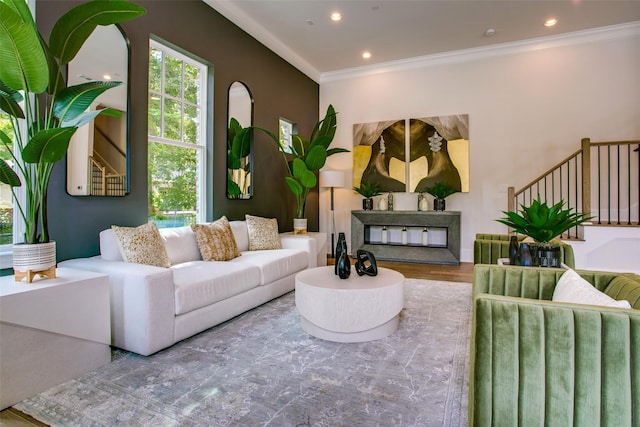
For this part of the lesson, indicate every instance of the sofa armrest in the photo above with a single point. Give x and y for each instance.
(142, 303)
(548, 363)
(305, 243)
(515, 281)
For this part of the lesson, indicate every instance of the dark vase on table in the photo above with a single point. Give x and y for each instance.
(367, 204)
(524, 255)
(513, 249)
(343, 263)
(341, 242)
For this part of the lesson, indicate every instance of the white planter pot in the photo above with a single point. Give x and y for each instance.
(31, 259)
(300, 226)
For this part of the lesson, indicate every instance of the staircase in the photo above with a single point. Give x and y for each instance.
(105, 180)
(601, 179)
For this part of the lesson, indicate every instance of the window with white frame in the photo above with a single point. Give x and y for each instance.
(177, 137)
(6, 196)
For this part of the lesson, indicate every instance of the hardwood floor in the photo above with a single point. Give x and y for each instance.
(413, 270)
(452, 273)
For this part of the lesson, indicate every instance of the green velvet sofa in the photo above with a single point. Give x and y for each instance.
(535, 362)
(487, 248)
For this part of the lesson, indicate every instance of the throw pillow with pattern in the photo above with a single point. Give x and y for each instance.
(263, 233)
(142, 245)
(216, 241)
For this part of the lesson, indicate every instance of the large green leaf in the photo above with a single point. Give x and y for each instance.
(241, 145)
(316, 158)
(300, 145)
(74, 100)
(233, 162)
(73, 28)
(294, 185)
(8, 175)
(48, 146)
(327, 126)
(23, 65)
(87, 116)
(9, 101)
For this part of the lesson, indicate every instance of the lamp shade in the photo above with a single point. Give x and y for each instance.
(330, 178)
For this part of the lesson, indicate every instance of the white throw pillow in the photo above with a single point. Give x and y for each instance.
(573, 288)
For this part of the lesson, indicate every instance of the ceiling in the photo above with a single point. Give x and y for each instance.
(301, 31)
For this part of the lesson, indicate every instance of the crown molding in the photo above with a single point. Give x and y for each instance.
(237, 17)
(612, 32)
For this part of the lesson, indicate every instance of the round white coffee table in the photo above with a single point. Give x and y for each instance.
(357, 309)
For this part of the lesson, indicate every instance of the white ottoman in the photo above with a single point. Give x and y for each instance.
(357, 309)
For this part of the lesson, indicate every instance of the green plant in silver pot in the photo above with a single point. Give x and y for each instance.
(368, 190)
(544, 223)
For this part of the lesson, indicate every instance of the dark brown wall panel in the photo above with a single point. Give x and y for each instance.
(278, 89)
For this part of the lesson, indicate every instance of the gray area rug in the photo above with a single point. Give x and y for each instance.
(262, 369)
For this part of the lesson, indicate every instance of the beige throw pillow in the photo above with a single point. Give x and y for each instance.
(142, 245)
(216, 241)
(263, 233)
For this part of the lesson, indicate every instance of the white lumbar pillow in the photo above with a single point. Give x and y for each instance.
(573, 288)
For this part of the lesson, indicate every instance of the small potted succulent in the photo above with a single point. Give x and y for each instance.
(440, 191)
(544, 224)
(368, 190)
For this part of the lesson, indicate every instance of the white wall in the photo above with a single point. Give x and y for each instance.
(529, 105)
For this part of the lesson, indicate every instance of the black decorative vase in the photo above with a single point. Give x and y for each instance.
(513, 250)
(524, 255)
(439, 204)
(344, 265)
(367, 204)
(344, 262)
(342, 242)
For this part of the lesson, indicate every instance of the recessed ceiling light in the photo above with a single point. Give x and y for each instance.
(106, 77)
(336, 16)
(550, 22)
(366, 54)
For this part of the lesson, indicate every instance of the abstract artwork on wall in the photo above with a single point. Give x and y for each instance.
(436, 149)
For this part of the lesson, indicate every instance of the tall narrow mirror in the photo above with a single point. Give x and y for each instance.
(239, 156)
(97, 159)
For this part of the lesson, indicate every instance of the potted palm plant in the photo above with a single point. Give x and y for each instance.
(368, 190)
(305, 158)
(544, 223)
(440, 192)
(35, 96)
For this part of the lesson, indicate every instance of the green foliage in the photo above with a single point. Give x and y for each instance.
(172, 177)
(368, 189)
(30, 74)
(541, 222)
(308, 157)
(238, 159)
(440, 190)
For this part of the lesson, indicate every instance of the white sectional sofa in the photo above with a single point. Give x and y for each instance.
(154, 307)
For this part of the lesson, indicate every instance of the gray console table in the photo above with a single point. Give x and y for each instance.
(402, 239)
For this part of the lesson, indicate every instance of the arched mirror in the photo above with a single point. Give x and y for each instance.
(97, 159)
(239, 157)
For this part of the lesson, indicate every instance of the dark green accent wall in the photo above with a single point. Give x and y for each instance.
(278, 89)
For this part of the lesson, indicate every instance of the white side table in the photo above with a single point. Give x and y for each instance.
(51, 330)
(357, 309)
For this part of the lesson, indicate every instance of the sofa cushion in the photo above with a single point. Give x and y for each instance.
(263, 233)
(200, 283)
(275, 264)
(180, 243)
(109, 246)
(240, 233)
(142, 245)
(216, 241)
(574, 289)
